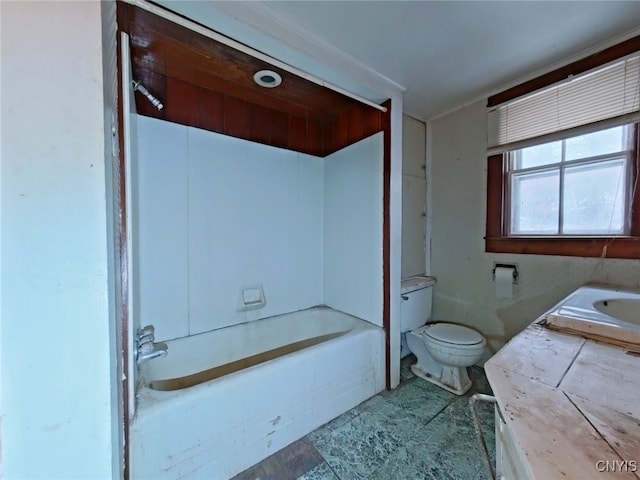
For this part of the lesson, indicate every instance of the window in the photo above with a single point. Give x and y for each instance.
(563, 160)
(574, 186)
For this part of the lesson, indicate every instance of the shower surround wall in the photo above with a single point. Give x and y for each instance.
(216, 214)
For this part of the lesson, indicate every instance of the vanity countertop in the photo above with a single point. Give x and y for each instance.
(571, 405)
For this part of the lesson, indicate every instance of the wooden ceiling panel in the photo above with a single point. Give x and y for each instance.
(174, 51)
(205, 84)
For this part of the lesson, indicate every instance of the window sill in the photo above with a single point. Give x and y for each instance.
(605, 247)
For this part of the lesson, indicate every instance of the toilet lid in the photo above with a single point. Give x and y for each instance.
(450, 333)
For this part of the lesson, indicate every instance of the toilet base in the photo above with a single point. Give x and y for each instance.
(453, 379)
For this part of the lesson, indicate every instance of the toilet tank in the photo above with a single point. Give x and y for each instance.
(415, 307)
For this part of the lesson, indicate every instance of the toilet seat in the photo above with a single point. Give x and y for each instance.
(450, 334)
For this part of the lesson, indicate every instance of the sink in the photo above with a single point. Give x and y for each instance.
(602, 312)
(623, 309)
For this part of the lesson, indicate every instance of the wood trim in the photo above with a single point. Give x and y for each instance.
(497, 241)
(635, 191)
(298, 134)
(615, 247)
(279, 130)
(600, 58)
(351, 126)
(495, 196)
(385, 123)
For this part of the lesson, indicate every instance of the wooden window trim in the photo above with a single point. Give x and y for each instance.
(497, 239)
(605, 56)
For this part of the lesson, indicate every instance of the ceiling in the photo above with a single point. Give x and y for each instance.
(451, 53)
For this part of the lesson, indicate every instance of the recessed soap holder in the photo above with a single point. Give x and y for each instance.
(251, 298)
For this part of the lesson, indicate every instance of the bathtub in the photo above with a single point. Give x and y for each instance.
(223, 400)
(604, 312)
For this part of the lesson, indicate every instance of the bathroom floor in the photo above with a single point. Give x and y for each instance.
(418, 431)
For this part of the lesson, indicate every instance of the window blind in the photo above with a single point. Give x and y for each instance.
(604, 97)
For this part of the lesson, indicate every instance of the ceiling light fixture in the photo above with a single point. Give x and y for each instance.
(267, 78)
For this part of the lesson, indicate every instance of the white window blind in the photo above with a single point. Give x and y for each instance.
(603, 97)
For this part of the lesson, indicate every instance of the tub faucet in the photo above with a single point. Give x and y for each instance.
(146, 348)
(150, 350)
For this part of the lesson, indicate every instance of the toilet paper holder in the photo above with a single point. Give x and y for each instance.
(513, 266)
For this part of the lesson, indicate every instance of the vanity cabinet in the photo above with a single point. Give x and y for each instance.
(569, 407)
(509, 464)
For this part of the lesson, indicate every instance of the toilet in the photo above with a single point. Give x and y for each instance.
(443, 350)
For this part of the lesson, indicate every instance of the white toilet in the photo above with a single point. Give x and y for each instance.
(444, 350)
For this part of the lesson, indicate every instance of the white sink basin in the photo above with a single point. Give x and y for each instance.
(623, 309)
(601, 312)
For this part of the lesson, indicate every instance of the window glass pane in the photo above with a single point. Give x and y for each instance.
(538, 155)
(599, 143)
(535, 203)
(594, 198)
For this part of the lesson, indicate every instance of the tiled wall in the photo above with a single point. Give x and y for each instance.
(465, 291)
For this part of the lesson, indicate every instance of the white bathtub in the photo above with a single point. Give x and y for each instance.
(600, 310)
(222, 423)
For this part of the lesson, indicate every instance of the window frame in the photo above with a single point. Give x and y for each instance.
(498, 240)
(627, 156)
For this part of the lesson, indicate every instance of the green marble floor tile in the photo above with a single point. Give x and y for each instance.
(415, 432)
(334, 424)
(374, 403)
(420, 402)
(486, 413)
(452, 447)
(412, 468)
(483, 474)
(360, 447)
(321, 472)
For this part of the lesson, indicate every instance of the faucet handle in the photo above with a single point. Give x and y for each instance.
(146, 334)
(148, 330)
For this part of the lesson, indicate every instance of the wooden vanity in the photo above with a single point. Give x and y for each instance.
(569, 407)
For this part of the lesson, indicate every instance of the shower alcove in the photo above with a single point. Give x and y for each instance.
(233, 186)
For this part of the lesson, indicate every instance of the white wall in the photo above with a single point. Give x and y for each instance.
(465, 291)
(160, 227)
(414, 196)
(57, 342)
(216, 214)
(254, 219)
(353, 229)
